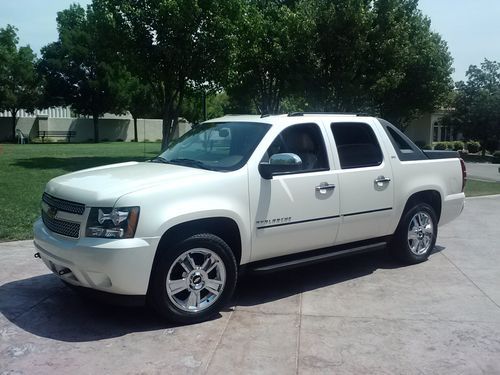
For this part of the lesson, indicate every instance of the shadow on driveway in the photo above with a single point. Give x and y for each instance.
(43, 306)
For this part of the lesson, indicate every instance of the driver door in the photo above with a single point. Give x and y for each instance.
(298, 211)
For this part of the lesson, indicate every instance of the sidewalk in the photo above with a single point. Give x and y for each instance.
(483, 171)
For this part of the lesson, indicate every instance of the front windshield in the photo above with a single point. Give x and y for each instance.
(220, 146)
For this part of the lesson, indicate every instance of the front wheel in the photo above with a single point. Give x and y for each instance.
(194, 279)
(416, 235)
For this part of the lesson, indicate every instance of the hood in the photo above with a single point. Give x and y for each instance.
(102, 186)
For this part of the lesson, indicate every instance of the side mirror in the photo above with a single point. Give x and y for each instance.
(280, 163)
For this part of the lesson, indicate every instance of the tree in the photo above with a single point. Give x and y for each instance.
(410, 65)
(271, 54)
(141, 101)
(477, 105)
(19, 82)
(177, 45)
(379, 57)
(81, 69)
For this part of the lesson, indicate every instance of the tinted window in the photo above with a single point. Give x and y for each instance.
(304, 140)
(404, 147)
(357, 145)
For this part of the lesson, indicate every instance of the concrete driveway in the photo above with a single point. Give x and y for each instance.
(360, 315)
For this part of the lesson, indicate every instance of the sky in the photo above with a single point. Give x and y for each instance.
(470, 27)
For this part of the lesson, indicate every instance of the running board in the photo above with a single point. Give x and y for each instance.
(318, 258)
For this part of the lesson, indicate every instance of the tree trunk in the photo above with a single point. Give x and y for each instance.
(13, 113)
(135, 129)
(95, 119)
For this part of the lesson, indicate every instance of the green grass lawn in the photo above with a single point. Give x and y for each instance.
(475, 188)
(25, 169)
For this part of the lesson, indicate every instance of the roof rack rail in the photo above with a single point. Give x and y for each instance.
(295, 114)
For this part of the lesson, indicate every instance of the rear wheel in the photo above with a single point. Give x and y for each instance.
(416, 235)
(194, 279)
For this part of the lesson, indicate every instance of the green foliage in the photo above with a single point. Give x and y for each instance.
(477, 105)
(378, 56)
(473, 147)
(177, 45)
(440, 146)
(19, 82)
(81, 69)
(271, 55)
(491, 145)
(217, 105)
(458, 146)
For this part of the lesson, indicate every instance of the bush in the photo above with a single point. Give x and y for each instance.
(473, 147)
(426, 147)
(491, 146)
(458, 146)
(440, 146)
(119, 140)
(496, 157)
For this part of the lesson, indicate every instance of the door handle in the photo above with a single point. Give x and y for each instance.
(325, 186)
(382, 179)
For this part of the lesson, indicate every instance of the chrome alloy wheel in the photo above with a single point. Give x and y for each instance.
(196, 279)
(420, 232)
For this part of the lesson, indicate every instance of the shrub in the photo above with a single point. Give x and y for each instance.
(473, 147)
(440, 146)
(132, 140)
(158, 140)
(491, 145)
(426, 147)
(119, 140)
(458, 146)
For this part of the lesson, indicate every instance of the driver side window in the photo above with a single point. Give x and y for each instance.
(305, 141)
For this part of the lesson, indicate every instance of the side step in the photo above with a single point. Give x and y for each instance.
(281, 263)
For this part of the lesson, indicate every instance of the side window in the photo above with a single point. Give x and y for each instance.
(357, 145)
(304, 140)
(404, 147)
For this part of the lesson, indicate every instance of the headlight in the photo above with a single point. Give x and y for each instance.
(112, 222)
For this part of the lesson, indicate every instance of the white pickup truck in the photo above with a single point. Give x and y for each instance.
(240, 192)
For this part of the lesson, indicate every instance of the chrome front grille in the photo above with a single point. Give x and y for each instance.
(63, 205)
(66, 228)
(70, 227)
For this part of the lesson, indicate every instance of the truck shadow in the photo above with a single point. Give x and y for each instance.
(44, 307)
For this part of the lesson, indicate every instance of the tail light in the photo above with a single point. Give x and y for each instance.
(464, 173)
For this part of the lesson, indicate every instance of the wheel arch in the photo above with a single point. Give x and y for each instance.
(225, 228)
(431, 197)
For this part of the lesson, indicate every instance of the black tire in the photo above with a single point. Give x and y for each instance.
(415, 250)
(168, 304)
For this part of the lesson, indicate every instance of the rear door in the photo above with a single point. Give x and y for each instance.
(366, 183)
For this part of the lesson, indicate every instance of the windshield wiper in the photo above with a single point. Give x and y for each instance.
(159, 159)
(190, 163)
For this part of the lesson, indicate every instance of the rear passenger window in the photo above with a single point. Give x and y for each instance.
(356, 144)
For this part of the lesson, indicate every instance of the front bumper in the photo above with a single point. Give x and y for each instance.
(119, 266)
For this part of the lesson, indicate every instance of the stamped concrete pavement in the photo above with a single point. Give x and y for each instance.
(359, 315)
